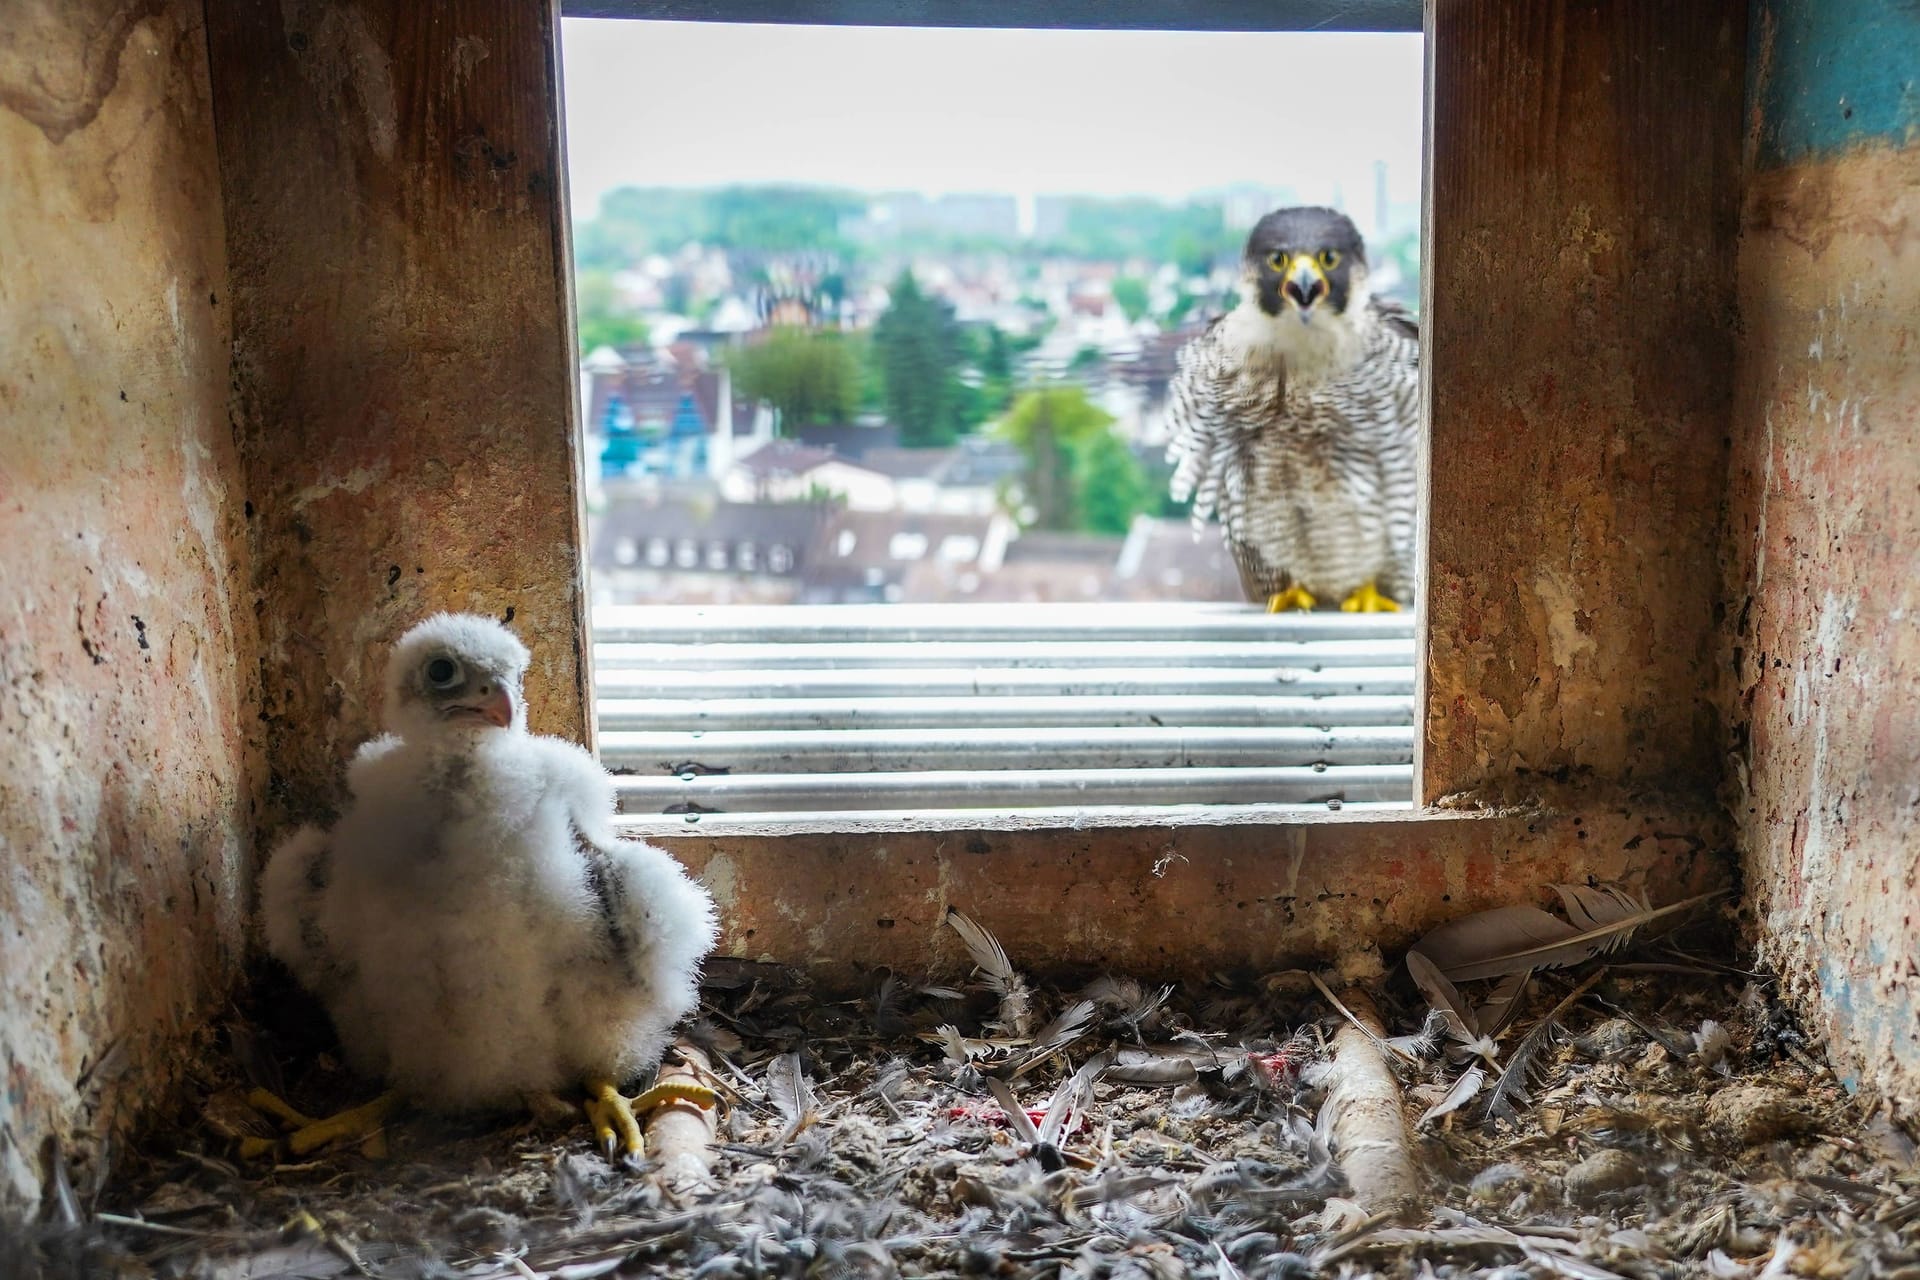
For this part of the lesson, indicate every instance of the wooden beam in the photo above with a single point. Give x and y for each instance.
(403, 362)
(1583, 208)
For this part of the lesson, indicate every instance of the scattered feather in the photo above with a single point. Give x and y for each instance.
(1509, 940)
(1712, 1045)
(1016, 1114)
(1070, 1099)
(1067, 1026)
(1464, 1090)
(1424, 1043)
(1511, 1085)
(791, 1094)
(1160, 1065)
(1445, 998)
(1503, 1002)
(1385, 1046)
(990, 958)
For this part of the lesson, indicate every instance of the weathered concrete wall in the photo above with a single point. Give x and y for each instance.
(1582, 208)
(1824, 614)
(395, 214)
(126, 630)
(1181, 902)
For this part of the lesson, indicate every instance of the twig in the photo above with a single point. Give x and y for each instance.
(1369, 1132)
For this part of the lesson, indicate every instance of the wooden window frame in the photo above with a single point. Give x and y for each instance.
(399, 278)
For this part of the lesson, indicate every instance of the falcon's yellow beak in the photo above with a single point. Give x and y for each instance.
(1306, 283)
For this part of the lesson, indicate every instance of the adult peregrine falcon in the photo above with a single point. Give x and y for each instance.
(1295, 418)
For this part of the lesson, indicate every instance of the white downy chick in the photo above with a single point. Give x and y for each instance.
(474, 925)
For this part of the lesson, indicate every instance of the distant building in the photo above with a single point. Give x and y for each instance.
(788, 471)
(848, 439)
(981, 473)
(1145, 378)
(903, 556)
(677, 550)
(968, 478)
(1167, 560)
(1044, 566)
(665, 417)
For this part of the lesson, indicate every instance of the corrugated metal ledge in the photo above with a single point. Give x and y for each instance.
(762, 715)
(1077, 817)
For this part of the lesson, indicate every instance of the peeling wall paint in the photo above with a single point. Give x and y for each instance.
(1180, 902)
(127, 679)
(1823, 659)
(1827, 75)
(395, 214)
(1583, 206)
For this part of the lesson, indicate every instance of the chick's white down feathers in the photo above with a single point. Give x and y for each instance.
(473, 923)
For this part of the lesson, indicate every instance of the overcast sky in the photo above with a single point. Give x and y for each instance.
(1020, 112)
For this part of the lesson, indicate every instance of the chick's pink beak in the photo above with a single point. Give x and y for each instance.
(494, 706)
(497, 709)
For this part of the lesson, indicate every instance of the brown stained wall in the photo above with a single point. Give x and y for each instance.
(1826, 634)
(126, 631)
(1583, 205)
(395, 206)
(1178, 902)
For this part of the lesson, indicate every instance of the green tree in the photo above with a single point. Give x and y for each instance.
(635, 221)
(809, 377)
(603, 321)
(1111, 486)
(916, 345)
(995, 362)
(1130, 295)
(1051, 425)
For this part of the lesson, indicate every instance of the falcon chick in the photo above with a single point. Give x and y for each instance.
(1295, 417)
(473, 924)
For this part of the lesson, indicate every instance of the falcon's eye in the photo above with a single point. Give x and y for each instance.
(1278, 260)
(1329, 258)
(443, 673)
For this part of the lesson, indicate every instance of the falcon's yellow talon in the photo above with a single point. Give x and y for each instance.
(1294, 597)
(302, 1224)
(615, 1118)
(256, 1148)
(359, 1122)
(1367, 599)
(614, 1126)
(277, 1107)
(676, 1091)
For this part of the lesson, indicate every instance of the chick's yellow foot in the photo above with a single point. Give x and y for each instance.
(1368, 599)
(1294, 597)
(363, 1122)
(616, 1127)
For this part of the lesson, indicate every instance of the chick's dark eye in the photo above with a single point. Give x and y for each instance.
(443, 673)
(1277, 260)
(1329, 258)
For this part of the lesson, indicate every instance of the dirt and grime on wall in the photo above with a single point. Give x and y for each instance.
(1578, 414)
(1655, 1112)
(1822, 654)
(128, 757)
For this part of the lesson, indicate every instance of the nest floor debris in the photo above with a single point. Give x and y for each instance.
(1671, 1123)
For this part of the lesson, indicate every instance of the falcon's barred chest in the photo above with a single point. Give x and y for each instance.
(1298, 426)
